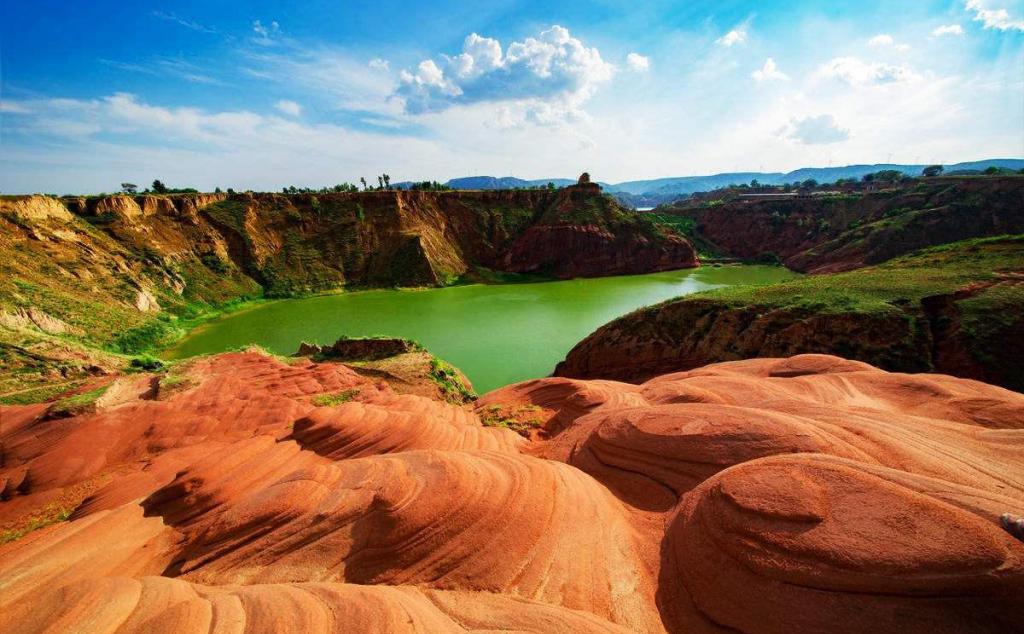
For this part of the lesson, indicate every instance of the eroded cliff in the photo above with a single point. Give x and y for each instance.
(840, 230)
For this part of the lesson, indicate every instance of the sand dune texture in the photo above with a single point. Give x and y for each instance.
(809, 494)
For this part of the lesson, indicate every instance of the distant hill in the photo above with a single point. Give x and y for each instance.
(504, 182)
(660, 190)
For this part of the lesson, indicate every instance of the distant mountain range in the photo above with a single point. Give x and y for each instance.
(660, 190)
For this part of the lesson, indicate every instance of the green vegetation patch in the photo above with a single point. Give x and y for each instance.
(40, 394)
(230, 213)
(521, 419)
(77, 404)
(337, 398)
(51, 515)
(883, 288)
(453, 388)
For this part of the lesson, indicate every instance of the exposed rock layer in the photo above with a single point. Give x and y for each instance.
(848, 230)
(773, 495)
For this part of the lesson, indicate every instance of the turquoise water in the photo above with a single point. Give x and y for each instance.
(496, 334)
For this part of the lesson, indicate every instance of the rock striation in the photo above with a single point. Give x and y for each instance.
(808, 493)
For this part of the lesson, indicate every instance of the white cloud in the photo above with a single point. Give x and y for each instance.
(857, 72)
(265, 34)
(329, 74)
(735, 36)
(379, 64)
(167, 67)
(769, 72)
(188, 24)
(819, 130)
(289, 107)
(11, 107)
(948, 29)
(553, 68)
(884, 40)
(998, 19)
(638, 63)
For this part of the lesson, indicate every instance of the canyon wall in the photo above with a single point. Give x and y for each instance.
(156, 253)
(844, 230)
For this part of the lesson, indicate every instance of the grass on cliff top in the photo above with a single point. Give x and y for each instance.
(908, 279)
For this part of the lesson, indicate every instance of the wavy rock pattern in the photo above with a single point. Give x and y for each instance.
(772, 495)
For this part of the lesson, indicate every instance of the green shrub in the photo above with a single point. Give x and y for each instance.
(147, 363)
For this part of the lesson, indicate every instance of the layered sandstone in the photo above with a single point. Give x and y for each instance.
(773, 495)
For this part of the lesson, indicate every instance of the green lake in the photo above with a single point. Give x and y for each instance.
(496, 334)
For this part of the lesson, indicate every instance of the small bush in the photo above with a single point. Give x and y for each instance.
(147, 363)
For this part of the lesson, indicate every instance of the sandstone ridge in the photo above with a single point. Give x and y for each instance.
(808, 493)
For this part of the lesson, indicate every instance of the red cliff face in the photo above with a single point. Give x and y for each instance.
(588, 251)
(584, 234)
(831, 233)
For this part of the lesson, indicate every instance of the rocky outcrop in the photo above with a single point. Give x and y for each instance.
(841, 230)
(32, 209)
(802, 494)
(687, 334)
(359, 348)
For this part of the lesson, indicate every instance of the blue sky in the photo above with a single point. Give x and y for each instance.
(264, 94)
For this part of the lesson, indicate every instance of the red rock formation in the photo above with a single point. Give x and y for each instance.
(844, 231)
(772, 495)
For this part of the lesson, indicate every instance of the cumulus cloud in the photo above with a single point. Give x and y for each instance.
(554, 68)
(948, 29)
(638, 63)
(819, 130)
(735, 36)
(857, 72)
(769, 72)
(884, 40)
(379, 64)
(289, 107)
(999, 19)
